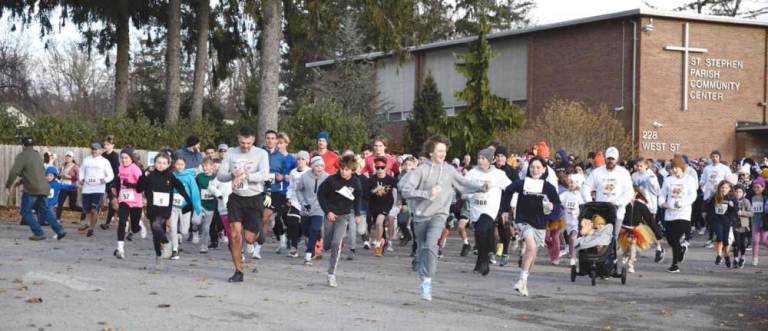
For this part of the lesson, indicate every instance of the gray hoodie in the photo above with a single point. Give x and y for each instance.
(417, 186)
(306, 191)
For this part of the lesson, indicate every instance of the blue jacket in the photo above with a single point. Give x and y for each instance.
(187, 178)
(56, 188)
(194, 159)
(276, 166)
(289, 164)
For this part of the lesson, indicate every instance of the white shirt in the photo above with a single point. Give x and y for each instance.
(611, 186)
(571, 200)
(649, 185)
(711, 176)
(486, 202)
(679, 194)
(291, 178)
(95, 172)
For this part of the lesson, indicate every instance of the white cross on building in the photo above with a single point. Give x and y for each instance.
(685, 49)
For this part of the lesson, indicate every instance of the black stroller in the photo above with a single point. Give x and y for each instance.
(599, 261)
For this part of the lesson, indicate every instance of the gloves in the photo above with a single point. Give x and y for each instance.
(267, 200)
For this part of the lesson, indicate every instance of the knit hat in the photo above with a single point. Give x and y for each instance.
(599, 159)
(26, 141)
(223, 148)
(96, 146)
(501, 150)
(678, 162)
(324, 135)
(192, 141)
(543, 150)
(759, 181)
(732, 178)
(52, 171)
(318, 161)
(128, 151)
(303, 155)
(486, 153)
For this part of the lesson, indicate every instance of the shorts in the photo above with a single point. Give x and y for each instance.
(525, 230)
(278, 200)
(92, 202)
(721, 230)
(246, 210)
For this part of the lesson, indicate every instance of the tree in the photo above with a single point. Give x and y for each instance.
(172, 62)
(428, 115)
(347, 130)
(498, 14)
(271, 35)
(201, 58)
(485, 112)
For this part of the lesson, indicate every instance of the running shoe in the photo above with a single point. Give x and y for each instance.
(439, 254)
(504, 260)
(89, 234)
(195, 238)
(389, 247)
(366, 245)
(718, 260)
(236, 278)
(674, 269)
(702, 231)
(175, 255)
(484, 269)
(119, 254)
(709, 244)
(465, 249)
(631, 269)
(754, 261)
(572, 261)
(332, 281)
(308, 259)
(36, 238)
(351, 255)
(60, 236)
(248, 249)
(104, 226)
(660, 255)
(142, 230)
(741, 263)
(522, 287)
(683, 251)
(426, 290)
(83, 228)
(414, 265)
(256, 252)
(492, 258)
(727, 261)
(203, 249)
(129, 237)
(556, 262)
(293, 253)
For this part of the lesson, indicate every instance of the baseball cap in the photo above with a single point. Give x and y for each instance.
(223, 147)
(96, 146)
(612, 152)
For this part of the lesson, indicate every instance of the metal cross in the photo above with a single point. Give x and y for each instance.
(685, 49)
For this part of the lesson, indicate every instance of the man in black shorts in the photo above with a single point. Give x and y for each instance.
(248, 168)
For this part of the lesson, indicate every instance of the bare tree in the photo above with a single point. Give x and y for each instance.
(201, 59)
(269, 102)
(172, 62)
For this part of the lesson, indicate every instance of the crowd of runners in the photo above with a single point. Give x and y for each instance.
(324, 203)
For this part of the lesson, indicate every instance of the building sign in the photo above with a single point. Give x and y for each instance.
(652, 143)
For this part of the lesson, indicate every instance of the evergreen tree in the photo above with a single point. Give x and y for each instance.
(428, 115)
(486, 112)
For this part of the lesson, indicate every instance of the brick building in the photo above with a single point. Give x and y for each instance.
(679, 82)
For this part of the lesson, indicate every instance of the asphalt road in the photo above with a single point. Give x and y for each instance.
(83, 287)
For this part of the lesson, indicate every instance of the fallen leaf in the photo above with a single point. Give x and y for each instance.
(163, 305)
(35, 300)
(152, 293)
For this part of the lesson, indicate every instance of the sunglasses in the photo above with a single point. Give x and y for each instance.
(380, 168)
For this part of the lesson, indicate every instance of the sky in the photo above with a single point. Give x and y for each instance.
(546, 11)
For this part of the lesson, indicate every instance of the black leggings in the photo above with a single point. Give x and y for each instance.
(216, 227)
(505, 234)
(64, 196)
(123, 212)
(675, 231)
(293, 224)
(158, 234)
(740, 244)
(110, 211)
(484, 238)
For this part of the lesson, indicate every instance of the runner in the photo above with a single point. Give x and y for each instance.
(612, 184)
(283, 206)
(648, 183)
(423, 187)
(638, 231)
(191, 153)
(484, 206)
(247, 168)
(712, 175)
(677, 196)
(161, 187)
(722, 210)
(759, 225)
(208, 201)
(380, 191)
(130, 202)
(95, 173)
(68, 174)
(534, 203)
(392, 168)
(274, 191)
(111, 188)
(338, 196)
(740, 228)
(571, 200)
(181, 214)
(306, 193)
(293, 215)
(330, 157)
(56, 188)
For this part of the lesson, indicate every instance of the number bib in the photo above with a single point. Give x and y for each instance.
(178, 200)
(206, 195)
(571, 207)
(91, 180)
(51, 194)
(721, 208)
(161, 199)
(757, 208)
(127, 195)
(66, 182)
(242, 187)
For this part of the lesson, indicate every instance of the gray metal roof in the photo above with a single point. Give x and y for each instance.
(543, 27)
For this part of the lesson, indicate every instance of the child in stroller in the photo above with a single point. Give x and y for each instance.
(596, 245)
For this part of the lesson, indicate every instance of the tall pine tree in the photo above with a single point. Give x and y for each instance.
(428, 115)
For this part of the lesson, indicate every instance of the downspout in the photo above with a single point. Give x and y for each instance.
(634, 85)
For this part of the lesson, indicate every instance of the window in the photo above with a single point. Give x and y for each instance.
(396, 116)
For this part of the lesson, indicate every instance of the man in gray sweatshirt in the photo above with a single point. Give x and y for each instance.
(430, 189)
(306, 192)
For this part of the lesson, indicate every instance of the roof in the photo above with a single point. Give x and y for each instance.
(557, 25)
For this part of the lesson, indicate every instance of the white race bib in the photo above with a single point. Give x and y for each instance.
(242, 187)
(91, 180)
(127, 195)
(721, 208)
(533, 186)
(757, 208)
(206, 195)
(178, 200)
(571, 206)
(161, 199)
(50, 194)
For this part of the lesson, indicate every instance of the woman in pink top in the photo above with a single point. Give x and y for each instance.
(130, 202)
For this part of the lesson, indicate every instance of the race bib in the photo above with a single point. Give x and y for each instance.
(206, 195)
(347, 192)
(127, 195)
(161, 199)
(757, 208)
(533, 186)
(66, 182)
(721, 208)
(178, 200)
(242, 186)
(571, 207)
(91, 180)
(51, 194)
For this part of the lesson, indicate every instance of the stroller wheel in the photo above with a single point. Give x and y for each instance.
(573, 273)
(624, 275)
(593, 276)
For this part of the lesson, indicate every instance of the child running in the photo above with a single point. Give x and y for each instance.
(759, 225)
(722, 210)
(741, 228)
(180, 216)
(208, 201)
(571, 200)
(130, 201)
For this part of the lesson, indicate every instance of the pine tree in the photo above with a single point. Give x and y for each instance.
(485, 112)
(428, 115)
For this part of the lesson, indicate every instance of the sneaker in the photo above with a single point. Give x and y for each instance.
(754, 261)
(683, 250)
(308, 259)
(332, 281)
(248, 249)
(493, 259)
(83, 228)
(572, 261)
(631, 269)
(741, 263)
(89, 233)
(522, 287)
(504, 260)
(366, 245)
(659, 256)
(674, 269)
(293, 253)
(727, 261)
(351, 255)
(685, 243)
(390, 248)
(236, 278)
(256, 252)
(104, 226)
(159, 263)
(203, 249)
(718, 260)
(195, 238)
(426, 290)
(702, 231)
(710, 244)
(60, 236)
(439, 254)
(129, 237)
(36, 238)
(119, 254)
(556, 262)
(465, 249)
(175, 255)
(142, 230)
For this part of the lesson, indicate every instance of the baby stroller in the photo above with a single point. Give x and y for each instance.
(599, 261)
